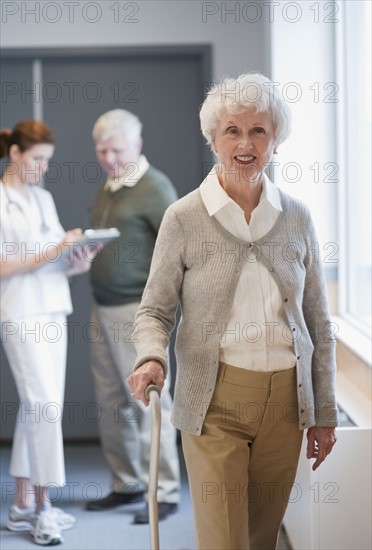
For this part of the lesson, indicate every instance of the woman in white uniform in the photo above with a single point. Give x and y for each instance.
(36, 257)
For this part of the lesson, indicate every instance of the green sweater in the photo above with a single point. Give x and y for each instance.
(119, 272)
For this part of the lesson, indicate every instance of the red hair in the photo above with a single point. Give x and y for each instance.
(25, 134)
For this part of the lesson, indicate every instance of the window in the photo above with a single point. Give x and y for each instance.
(354, 152)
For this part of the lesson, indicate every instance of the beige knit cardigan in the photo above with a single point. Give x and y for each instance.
(196, 264)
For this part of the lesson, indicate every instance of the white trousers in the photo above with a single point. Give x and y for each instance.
(36, 351)
(125, 423)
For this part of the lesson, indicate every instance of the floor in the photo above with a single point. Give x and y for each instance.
(88, 478)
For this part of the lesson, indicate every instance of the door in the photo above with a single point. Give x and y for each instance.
(164, 88)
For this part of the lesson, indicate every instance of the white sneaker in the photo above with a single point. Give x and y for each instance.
(45, 529)
(21, 519)
(64, 520)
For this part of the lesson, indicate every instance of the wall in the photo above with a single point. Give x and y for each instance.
(237, 31)
(302, 58)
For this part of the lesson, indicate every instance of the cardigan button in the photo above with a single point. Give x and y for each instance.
(298, 356)
(272, 269)
(286, 299)
(300, 385)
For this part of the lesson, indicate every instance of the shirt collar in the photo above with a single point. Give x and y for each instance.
(270, 193)
(215, 197)
(131, 178)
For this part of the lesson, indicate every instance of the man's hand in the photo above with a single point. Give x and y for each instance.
(320, 443)
(151, 372)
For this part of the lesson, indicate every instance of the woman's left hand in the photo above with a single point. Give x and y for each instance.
(82, 259)
(320, 441)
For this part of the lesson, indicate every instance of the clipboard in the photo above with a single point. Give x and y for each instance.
(101, 236)
(91, 237)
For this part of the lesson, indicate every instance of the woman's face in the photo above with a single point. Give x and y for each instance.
(244, 143)
(31, 164)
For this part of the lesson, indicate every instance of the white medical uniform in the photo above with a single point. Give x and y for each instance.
(33, 312)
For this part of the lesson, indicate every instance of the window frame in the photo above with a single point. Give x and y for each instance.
(344, 279)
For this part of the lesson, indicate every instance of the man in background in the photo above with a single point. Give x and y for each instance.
(133, 198)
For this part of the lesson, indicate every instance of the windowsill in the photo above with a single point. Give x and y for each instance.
(354, 402)
(357, 342)
(354, 373)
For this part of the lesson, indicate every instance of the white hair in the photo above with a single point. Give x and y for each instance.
(115, 122)
(247, 91)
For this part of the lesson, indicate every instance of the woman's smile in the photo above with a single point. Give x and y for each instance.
(245, 160)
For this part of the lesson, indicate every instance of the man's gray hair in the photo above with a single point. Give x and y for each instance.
(118, 121)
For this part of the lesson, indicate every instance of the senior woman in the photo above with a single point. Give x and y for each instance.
(255, 357)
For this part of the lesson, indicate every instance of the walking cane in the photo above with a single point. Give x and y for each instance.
(153, 395)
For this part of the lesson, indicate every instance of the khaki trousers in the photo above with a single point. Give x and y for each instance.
(242, 467)
(125, 423)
